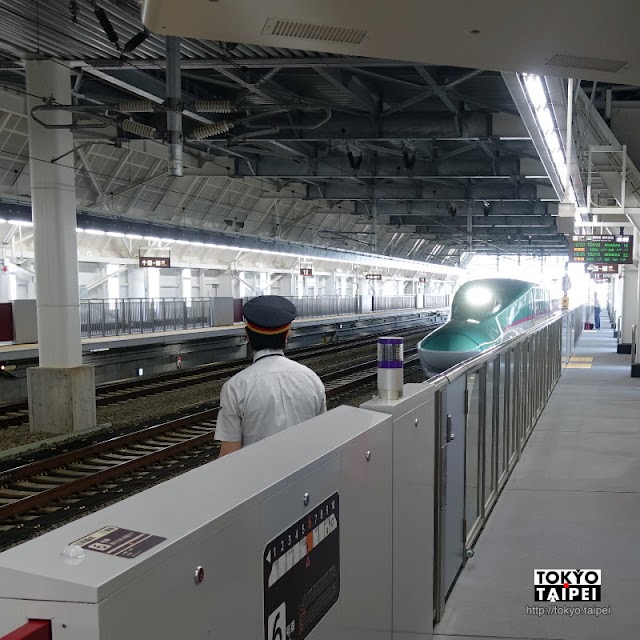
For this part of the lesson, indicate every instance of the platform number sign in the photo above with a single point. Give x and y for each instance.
(307, 272)
(145, 262)
(301, 573)
(277, 623)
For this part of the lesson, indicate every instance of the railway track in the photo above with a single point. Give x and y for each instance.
(39, 495)
(16, 414)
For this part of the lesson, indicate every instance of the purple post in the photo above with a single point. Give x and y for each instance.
(390, 367)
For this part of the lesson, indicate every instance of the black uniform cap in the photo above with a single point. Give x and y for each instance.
(269, 315)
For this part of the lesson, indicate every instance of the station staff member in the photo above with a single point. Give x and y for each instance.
(274, 393)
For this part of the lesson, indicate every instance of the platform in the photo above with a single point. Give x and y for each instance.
(10, 352)
(573, 501)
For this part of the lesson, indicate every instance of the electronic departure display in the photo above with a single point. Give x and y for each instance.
(602, 249)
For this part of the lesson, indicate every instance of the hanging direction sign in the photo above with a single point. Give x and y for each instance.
(158, 263)
(601, 249)
(601, 268)
(306, 271)
(374, 276)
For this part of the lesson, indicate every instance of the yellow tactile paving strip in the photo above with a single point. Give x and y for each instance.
(580, 362)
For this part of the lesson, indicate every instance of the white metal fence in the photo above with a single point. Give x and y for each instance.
(122, 316)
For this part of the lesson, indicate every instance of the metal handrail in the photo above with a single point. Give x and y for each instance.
(472, 363)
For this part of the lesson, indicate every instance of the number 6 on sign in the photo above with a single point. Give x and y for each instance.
(277, 624)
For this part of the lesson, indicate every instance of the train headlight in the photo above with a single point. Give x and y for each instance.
(480, 296)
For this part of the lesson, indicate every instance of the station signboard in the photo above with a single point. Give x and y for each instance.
(601, 268)
(374, 276)
(601, 277)
(601, 249)
(147, 262)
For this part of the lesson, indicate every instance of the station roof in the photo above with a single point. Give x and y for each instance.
(335, 142)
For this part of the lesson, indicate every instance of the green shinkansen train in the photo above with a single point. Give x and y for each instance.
(484, 313)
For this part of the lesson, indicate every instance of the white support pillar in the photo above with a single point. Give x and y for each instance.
(629, 306)
(61, 390)
(5, 283)
(286, 285)
(137, 285)
(225, 285)
(635, 365)
(331, 285)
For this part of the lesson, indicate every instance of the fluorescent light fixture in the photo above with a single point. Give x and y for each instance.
(97, 350)
(472, 321)
(21, 223)
(376, 261)
(538, 100)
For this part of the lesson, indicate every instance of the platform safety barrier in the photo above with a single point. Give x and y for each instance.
(114, 317)
(486, 409)
(323, 306)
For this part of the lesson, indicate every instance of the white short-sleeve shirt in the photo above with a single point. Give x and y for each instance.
(271, 395)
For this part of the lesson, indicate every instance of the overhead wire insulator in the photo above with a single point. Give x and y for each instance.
(136, 106)
(136, 41)
(139, 129)
(213, 129)
(213, 106)
(104, 21)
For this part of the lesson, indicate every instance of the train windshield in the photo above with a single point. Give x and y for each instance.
(475, 303)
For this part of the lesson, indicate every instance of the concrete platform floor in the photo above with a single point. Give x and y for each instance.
(573, 502)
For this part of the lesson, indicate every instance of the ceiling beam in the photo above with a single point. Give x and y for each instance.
(353, 87)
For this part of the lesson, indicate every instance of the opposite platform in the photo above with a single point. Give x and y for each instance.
(572, 502)
(10, 352)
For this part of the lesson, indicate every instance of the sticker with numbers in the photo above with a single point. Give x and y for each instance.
(116, 541)
(301, 573)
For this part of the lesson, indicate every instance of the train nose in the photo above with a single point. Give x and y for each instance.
(451, 341)
(443, 350)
